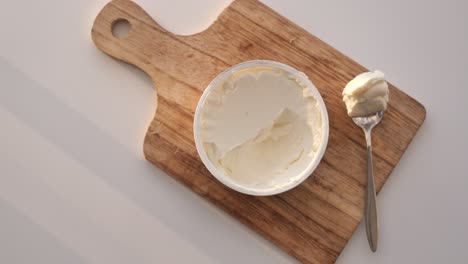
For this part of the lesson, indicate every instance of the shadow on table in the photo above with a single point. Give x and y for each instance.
(61, 125)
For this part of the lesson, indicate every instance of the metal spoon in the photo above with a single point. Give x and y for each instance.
(367, 123)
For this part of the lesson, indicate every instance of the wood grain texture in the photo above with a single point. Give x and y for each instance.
(312, 222)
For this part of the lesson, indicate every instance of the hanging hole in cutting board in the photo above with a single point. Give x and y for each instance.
(121, 28)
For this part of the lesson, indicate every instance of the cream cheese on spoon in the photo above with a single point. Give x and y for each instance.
(261, 126)
(366, 94)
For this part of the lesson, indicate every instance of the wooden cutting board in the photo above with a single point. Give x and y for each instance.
(312, 222)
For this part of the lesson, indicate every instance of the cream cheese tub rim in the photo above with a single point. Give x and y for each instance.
(295, 179)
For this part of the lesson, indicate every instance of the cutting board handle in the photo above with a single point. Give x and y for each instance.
(134, 48)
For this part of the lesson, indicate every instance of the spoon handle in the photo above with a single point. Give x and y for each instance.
(371, 205)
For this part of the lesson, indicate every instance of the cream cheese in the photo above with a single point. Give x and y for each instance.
(261, 126)
(366, 94)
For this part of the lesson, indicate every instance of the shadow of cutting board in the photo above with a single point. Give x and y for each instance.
(312, 222)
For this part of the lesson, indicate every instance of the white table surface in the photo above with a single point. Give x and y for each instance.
(74, 187)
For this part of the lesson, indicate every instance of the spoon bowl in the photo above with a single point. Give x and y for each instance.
(368, 122)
